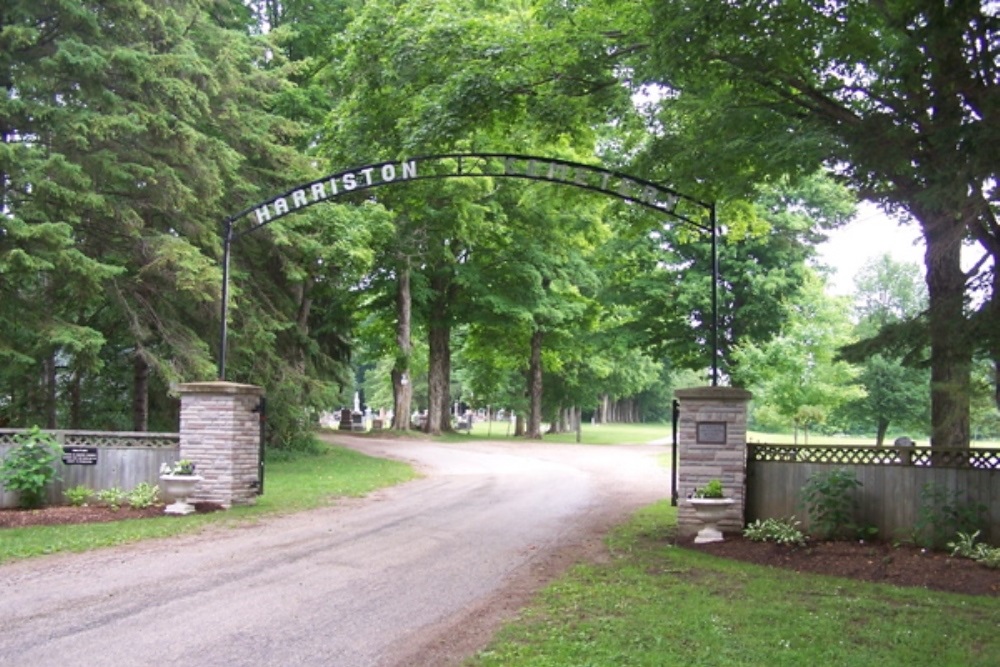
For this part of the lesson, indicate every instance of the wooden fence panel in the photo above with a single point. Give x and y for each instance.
(890, 495)
(124, 460)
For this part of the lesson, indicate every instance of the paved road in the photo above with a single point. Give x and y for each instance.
(369, 582)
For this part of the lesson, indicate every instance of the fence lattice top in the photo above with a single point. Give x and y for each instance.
(873, 455)
(129, 439)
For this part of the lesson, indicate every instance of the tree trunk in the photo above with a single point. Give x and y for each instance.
(518, 425)
(402, 383)
(438, 378)
(439, 353)
(140, 392)
(51, 410)
(951, 353)
(75, 403)
(995, 347)
(535, 388)
(880, 431)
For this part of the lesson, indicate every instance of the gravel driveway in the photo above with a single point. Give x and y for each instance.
(419, 574)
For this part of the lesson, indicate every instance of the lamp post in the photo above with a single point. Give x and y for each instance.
(227, 244)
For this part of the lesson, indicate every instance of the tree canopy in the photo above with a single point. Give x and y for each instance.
(130, 129)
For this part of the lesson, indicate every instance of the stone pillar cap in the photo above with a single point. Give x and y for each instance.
(219, 387)
(713, 394)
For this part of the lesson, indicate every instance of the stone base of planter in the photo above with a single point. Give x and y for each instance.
(179, 507)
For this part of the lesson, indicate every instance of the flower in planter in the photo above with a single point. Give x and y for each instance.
(182, 467)
(712, 489)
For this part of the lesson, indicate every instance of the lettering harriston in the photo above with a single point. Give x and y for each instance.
(331, 186)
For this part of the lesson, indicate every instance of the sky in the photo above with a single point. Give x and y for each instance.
(870, 235)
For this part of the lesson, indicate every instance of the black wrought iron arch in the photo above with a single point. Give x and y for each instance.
(683, 208)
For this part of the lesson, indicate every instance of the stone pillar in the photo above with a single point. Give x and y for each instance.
(712, 443)
(220, 432)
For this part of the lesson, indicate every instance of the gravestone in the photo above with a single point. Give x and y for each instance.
(346, 421)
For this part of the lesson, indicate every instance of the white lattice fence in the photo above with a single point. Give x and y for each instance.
(892, 480)
(120, 459)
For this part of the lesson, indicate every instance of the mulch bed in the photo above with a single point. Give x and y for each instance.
(903, 565)
(65, 515)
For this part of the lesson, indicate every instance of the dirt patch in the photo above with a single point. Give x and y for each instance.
(902, 565)
(67, 515)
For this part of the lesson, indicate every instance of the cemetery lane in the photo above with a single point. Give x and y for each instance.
(417, 574)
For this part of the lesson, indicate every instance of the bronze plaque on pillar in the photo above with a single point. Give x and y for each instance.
(711, 433)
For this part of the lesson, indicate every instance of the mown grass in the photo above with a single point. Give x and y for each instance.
(655, 604)
(591, 434)
(290, 486)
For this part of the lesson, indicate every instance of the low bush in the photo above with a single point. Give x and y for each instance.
(78, 495)
(829, 498)
(780, 531)
(113, 497)
(30, 466)
(143, 496)
(965, 546)
(942, 515)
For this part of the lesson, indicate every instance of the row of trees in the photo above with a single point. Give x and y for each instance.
(131, 128)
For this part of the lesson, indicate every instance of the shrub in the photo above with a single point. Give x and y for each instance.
(781, 531)
(942, 515)
(143, 496)
(78, 495)
(967, 547)
(829, 500)
(30, 466)
(113, 497)
(712, 489)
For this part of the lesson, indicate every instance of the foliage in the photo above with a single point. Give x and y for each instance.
(889, 297)
(829, 499)
(30, 466)
(144, 495)
(942, 514)
(797, 374)
(868, 87)
(181, 467)
(78, 495)
(780, 531)
(128, 130)
(712, 489)
(966, 546)
(114, 497)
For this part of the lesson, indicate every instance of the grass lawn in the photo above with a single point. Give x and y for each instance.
(591, 434)
(654, 605)
(290, 486)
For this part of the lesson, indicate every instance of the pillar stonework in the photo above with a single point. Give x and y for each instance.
(220, 433)
(711, 444)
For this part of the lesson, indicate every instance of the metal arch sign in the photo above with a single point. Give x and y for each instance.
(457, 165)
(649, 194)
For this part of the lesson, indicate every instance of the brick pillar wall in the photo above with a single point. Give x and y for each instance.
(220, 432)
(706, 450)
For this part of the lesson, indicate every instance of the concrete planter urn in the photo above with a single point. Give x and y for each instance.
(710, 506)
(179, 487)
(710, 511)
(178, 482)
